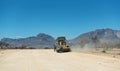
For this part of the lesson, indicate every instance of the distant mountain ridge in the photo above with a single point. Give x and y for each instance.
(40, 41)
(43, 40)
(103, 34)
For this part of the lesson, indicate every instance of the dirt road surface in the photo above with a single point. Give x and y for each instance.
(48, 60)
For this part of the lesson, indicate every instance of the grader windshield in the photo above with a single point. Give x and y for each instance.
(61, 39)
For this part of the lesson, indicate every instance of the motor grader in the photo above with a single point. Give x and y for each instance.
(61, 45)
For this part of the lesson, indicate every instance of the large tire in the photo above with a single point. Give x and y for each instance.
(54, 48)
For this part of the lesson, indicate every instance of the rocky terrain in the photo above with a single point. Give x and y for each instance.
(105, 34)
(40, 41)
(99, 38)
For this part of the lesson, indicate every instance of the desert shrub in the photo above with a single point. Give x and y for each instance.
(32, 48)
(46, 48)
(103, 51)
(118, 54)
(23, 47)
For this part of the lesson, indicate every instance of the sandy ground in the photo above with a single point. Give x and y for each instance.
(48, 60)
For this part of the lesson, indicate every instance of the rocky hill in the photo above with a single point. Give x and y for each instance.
(40, 41)
(103, 35)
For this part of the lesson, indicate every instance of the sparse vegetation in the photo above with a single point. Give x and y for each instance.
(32, 48)
(23, 47)
(118, 53)
(103, 51)
(46, 48)
(4, 45)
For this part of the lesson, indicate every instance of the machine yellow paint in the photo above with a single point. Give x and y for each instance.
(61, 45)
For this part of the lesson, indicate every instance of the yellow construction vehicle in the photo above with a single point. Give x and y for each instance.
(61, 45)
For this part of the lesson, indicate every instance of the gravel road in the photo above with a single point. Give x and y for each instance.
(48, 60)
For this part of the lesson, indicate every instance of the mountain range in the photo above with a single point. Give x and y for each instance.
(43, 40)
(40, 41)
(103, 34)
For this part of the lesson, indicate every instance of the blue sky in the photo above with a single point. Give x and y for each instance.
(23, 18)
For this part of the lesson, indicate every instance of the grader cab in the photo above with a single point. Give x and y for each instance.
(61, 45)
